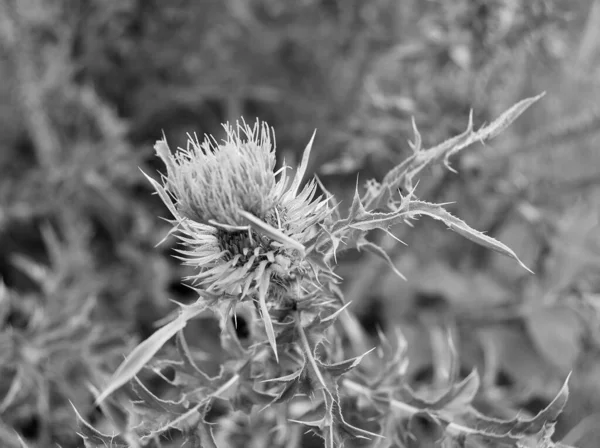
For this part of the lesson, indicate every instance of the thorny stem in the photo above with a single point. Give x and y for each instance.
(452, 428)
(308, 350)
(227, 385)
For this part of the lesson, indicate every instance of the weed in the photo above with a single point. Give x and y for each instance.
(256, 236)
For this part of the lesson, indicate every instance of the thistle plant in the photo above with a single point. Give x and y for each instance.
(255, 235)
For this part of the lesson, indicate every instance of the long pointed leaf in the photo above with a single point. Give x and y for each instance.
(262, 296)
(302, 168)
(462, 228)
(144, 352)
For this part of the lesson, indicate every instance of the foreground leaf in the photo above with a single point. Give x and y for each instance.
(144, 352)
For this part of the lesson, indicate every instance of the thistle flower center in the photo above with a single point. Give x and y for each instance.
(238, 243)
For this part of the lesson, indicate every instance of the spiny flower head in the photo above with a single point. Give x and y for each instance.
(247, 228)
(214, 182)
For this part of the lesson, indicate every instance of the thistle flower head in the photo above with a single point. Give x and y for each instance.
(213, 182)
(247, 228)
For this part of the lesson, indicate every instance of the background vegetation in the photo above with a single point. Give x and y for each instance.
(89, 86)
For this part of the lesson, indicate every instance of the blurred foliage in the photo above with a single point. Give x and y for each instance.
(89, 85)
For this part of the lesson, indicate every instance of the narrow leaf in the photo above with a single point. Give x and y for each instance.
(286, 378)
(339, 368)
(416, 144)
(377, 250)
(506, 119)
(13, 391)
(164, 196)
(264, 310)
(462, 228)
(144, 352)
(270, 231)
(302, 168)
